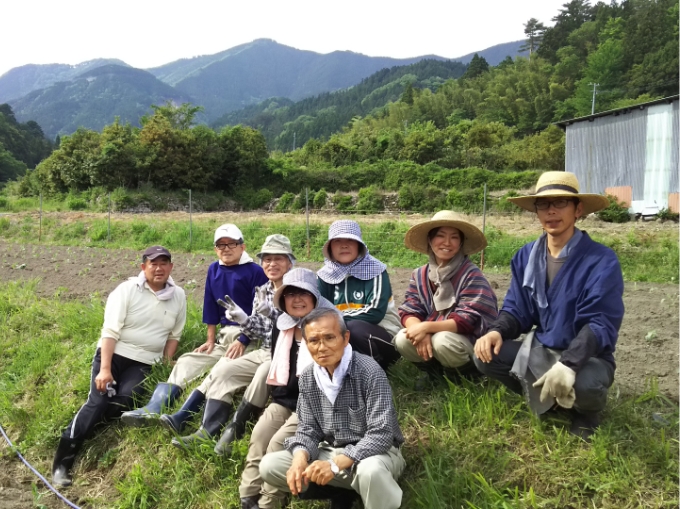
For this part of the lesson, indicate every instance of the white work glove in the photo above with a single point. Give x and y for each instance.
(263, 305)
(232, 311)
(558, 382)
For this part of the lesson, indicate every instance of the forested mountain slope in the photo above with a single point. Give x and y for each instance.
(94, 99)
(23, 80)
(322, 115)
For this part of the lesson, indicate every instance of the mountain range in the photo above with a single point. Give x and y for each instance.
(62, 98)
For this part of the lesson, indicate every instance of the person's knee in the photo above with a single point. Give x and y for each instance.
(273, 468)
(591, 394)
(482, 367)
(401, 342)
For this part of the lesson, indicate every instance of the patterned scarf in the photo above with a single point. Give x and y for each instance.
(536, 272)
(364, 267)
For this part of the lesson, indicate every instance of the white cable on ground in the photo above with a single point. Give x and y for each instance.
(45, 481)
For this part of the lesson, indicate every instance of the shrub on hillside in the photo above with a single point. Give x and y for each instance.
(503, 205)
(419, 198)
(121, 199)
(320, 199)
(299, 203)
(370, 200)
(284, 202)
(469, 201)
(616, 212)
(342, 202)
(250, 199)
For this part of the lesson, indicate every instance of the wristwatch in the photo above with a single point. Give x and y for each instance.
(334, 468)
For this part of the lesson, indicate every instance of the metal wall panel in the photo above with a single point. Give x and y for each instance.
(611, 151)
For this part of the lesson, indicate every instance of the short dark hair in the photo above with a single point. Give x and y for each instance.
(317, 314)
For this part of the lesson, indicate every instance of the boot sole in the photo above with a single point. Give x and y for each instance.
(140, 421)
(168, 424)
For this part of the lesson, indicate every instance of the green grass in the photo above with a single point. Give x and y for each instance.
(649, 257)
(467, 446)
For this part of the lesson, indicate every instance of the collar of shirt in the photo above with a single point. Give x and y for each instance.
(331, 386)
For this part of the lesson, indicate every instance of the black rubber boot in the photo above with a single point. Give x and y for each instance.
(175, 422)
(215, 416)
(584, 424)
(163, 395)
(340, 498)
(433, 374)
(63, 461)
(237, 427)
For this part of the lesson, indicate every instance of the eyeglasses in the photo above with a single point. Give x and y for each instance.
(295, 293)
(272, 261)
(314, 343)
(558, 204)
(230, 245)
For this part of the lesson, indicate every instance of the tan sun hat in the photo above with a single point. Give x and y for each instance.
(561, 184)
(416, 237)
(277, 244)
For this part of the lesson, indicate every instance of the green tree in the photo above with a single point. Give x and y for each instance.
(478, 66)
(533, 29)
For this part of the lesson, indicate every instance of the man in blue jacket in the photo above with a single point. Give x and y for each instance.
(570, 288)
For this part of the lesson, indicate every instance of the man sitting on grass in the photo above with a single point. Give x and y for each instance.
(571, 289)
(347, 435)
(143, 321)
(233, 274)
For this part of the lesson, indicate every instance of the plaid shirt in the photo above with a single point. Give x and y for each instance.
(258, 327)
(363, 419)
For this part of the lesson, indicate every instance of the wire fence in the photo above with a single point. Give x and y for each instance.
(307, 229)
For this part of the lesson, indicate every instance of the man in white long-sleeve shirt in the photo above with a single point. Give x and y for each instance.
(143, 322)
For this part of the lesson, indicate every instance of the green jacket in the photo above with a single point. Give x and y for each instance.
(370, 301)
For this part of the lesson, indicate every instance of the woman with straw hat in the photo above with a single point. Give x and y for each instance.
(359, 286)
(571, 289)
(449, 302)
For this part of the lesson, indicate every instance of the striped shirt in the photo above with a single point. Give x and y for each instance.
(476, 305)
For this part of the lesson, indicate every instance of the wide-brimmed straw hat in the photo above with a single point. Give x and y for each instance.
(561, 184)
(344, 229)
(416, 237)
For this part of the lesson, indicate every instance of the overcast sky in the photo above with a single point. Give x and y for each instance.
(149, 33)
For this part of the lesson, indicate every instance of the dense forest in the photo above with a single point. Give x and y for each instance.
(279, 119)
(22, 145)
(446, 130)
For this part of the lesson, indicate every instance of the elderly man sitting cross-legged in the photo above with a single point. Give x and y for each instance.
(348, 435)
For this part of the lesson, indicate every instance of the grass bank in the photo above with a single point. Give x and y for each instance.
(470, 445)
(644, 255)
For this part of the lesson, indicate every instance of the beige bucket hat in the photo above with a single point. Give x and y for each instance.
(277, 244)
(561, 184)
(416, 237)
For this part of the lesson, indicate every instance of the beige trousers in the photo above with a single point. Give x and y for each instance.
(192, 365)
(230, 375)
(450, 349)
(375, 478)
(275, 425)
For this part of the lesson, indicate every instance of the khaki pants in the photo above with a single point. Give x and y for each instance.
(450, 349)
(375, 478)
(230, 375)
(275, 425)
(192, 365)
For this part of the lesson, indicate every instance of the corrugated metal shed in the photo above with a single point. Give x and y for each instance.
(634, 147)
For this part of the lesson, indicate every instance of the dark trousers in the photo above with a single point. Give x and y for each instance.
(128, 375)
(591, 386)
(372, 340)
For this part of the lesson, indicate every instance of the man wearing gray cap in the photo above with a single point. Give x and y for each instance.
(233, 276)
(143, 322)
